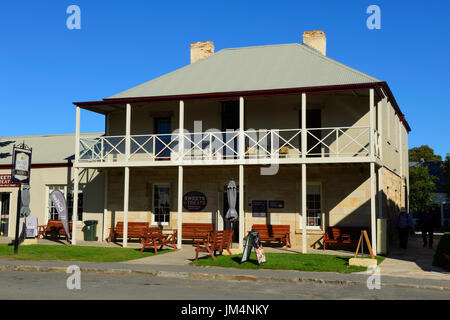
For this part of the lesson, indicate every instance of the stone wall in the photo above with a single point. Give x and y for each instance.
(345, 195)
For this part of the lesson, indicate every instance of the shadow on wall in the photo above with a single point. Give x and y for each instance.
(4, 144)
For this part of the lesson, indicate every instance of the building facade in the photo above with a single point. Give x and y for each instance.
(51, 169)
(309, 142)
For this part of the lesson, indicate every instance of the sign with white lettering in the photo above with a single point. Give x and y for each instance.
(21, 166)
(57, 197)
(194, 201)
(5, 181)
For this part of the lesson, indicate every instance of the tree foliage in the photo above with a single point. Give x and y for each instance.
(423, 152)
(422, 185)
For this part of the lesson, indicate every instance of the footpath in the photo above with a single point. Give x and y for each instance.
(407, 269)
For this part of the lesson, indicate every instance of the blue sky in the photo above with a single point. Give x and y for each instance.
(45, 67)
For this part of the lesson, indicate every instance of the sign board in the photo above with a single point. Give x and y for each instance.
(5, 181)
(21, 166)
(276, 204)
(31, 224)
(253, 242)
(194, 201)
(259, 208)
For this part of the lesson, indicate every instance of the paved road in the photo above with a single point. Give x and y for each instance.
(44, 286)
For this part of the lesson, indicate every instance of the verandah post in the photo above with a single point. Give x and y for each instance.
(180, 207)
(241, 207)
(76, 178)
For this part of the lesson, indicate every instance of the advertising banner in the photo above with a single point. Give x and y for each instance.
(58, 200)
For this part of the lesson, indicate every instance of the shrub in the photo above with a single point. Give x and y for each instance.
(443, 247)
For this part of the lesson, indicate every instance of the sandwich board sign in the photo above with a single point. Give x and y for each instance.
(253, 242)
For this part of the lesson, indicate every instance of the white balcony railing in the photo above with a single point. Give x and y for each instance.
(222, 146)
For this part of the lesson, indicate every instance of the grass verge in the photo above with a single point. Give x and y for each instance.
(287, 261)
(75, 253)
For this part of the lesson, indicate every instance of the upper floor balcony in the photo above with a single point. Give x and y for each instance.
(328, 128)
(339, 144)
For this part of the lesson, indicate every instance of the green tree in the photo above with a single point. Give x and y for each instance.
(446, 175)
(422, 185)
(423, 152)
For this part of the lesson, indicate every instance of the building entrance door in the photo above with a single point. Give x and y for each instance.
(163, 128)
(4, 214)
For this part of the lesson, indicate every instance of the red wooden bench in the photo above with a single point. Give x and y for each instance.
(134, 230)
(278, 233)
(197, 231)
(154, 237)
(54, 228)
(215, 241)
(342, 235)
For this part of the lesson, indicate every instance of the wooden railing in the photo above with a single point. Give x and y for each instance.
(218, 146)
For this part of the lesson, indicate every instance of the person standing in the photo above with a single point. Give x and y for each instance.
(403, 223)
(427, 220)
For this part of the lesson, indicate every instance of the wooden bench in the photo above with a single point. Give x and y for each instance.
(154, 237)
(54, 228)
(278, 233)
(134, 230)
(215, 241)
(196, 231)
(342, 235)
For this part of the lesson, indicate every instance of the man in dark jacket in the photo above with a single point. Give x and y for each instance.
(427, 221)
(403, 223)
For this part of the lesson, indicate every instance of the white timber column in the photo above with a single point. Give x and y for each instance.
(371, 122)
(304, 150)
(76, 178)
(105, 207)
(180, 175)
(304, 226)
(180, 207)
(373, 218)
(380, 110)
(241, 129)
(241, 207)
(181, 131)
(126, 194)
(126, 189)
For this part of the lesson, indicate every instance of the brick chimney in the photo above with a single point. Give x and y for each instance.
(201, 50)
(316, 39)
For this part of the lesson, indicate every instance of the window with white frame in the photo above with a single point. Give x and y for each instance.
(313, 206)
(68, 195)
(161, 204)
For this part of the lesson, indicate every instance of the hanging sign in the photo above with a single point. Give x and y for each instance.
(21, 166)
(194, 201)
(57, 197)
(5, 181)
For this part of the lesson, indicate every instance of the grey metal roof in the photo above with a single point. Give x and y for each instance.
(57, 148)
(252, 68)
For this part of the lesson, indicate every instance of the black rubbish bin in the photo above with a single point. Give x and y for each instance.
(90, 230)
